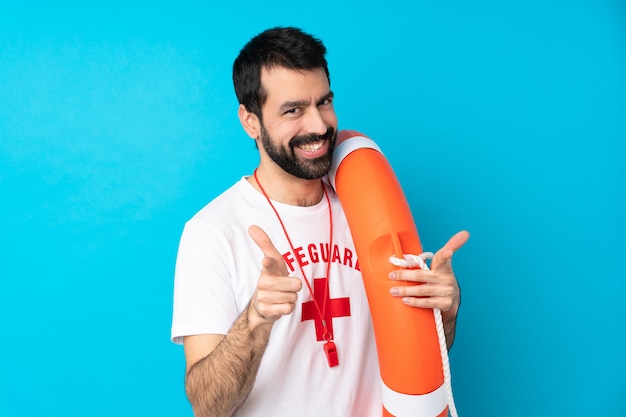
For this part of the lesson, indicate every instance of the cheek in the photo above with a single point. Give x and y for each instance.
(330, 117)
(284, 131)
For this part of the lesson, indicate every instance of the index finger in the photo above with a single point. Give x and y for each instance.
(264, 242)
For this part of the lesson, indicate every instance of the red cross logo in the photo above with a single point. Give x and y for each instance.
(336, 307)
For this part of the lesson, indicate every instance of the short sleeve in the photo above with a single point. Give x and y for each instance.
(204, 300)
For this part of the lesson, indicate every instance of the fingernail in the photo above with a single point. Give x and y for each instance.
(395, 291)
(392, 275)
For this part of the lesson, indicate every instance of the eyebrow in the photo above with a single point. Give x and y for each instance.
(299, 103)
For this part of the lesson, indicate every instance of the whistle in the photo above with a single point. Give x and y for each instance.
(331, 353)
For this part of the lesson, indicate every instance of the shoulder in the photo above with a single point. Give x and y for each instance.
(237, 200)
(224, 221)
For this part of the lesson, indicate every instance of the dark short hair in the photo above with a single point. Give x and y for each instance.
(287, 47)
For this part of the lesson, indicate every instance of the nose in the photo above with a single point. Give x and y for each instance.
(315, 122)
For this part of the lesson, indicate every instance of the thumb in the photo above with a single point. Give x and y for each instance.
(443, 258)
(273, 260)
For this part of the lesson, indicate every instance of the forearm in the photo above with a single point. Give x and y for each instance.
(449, 321)
(218, 384)
(449, 327)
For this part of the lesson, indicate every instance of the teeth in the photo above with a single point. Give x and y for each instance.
(311, 147)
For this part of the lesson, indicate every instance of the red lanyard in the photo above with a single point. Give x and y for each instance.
(329, 347)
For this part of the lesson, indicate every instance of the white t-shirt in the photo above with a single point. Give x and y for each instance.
(217, 269)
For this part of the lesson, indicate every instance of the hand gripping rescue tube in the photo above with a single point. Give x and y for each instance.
(411, 346)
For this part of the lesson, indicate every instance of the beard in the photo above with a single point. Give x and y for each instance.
(288, 160)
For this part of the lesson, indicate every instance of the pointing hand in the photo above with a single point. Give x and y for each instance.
(276, 292)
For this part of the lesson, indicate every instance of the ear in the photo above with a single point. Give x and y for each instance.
(250, 122)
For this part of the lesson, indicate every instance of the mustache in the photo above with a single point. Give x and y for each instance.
(306, 139)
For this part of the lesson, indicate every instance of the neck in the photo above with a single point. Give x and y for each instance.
(288, 189)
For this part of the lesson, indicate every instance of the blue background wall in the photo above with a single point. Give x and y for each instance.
(118, 122)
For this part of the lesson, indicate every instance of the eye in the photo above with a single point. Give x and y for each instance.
(294, 110)
(325, 102)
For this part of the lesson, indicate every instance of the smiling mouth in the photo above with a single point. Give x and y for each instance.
(311, 147)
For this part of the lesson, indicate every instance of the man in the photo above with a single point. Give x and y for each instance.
(260, 265)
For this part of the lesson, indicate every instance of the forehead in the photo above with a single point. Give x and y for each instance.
(282, 85)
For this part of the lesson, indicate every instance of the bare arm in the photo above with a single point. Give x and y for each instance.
(449, 327)
(221, 369)
(218, 383)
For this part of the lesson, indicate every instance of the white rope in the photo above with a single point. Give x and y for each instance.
(419, 261)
